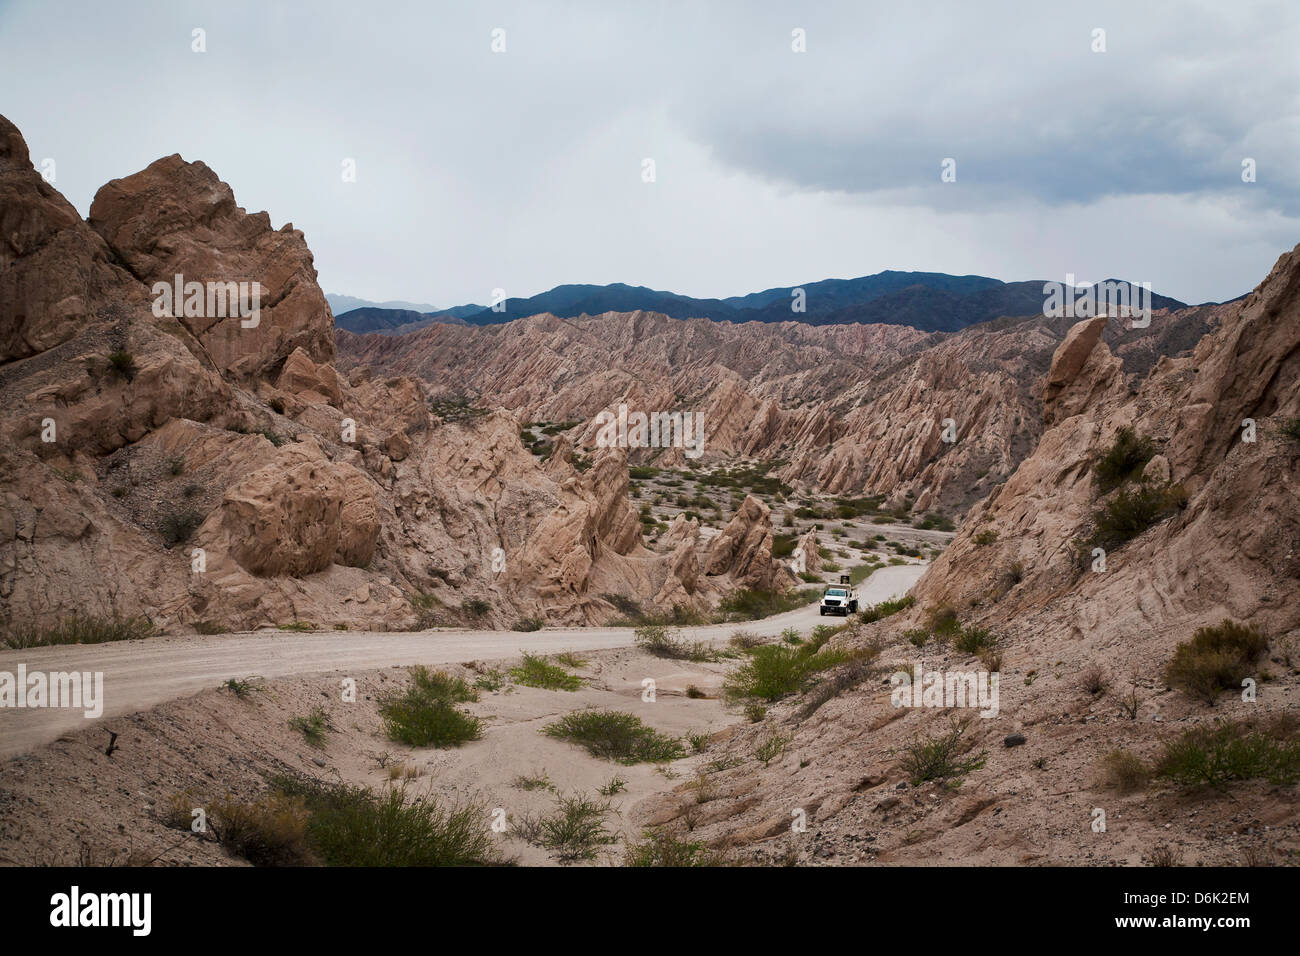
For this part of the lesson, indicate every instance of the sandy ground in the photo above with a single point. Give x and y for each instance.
(63, 800)
(142, 674)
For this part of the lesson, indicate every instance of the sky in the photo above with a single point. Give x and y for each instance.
(1075, 152)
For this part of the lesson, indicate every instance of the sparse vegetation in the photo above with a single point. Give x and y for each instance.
(77, 629)
(615, 735)
(122, 363)
(475, 607)
(1215, 659)
(1124, 771)
(1130, 512)
(354, 826)
(774, 671)
(268, 831)
(750, 605)
(884, 609)
(312, 727)
(1124, 460)
(526, 624)
(1232, 751)
(176, 527)
(943, 757)
(661, 641)
(536, 671)
(425, 714)
(660, 848)
(771, 747)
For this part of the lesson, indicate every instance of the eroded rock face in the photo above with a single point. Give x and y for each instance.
(744, 549)
(55, 272)
(300, 514)
(308, 496)
(852, 410)
(175, 217)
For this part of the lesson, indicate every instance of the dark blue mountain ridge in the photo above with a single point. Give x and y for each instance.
(929, 301)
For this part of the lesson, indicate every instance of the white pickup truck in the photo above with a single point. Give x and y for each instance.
(839, 599)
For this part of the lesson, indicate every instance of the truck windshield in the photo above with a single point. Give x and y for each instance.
(835, 592)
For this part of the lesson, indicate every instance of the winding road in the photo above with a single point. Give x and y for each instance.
(142, 674)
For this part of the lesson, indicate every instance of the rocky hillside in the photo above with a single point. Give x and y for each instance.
(213, 470)
(1148, 510)
(845, 409)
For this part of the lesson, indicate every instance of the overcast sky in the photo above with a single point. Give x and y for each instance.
(524, 169)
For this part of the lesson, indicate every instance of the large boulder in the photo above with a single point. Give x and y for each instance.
(300, 514)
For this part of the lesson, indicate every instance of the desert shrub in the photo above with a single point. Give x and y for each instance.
(177, 811)
(941, 620)
(1215, 659)
(660, 848)
(536, 671)
(615, 735)
(175, 464)
(749, 604)
(661, 641)
(1124, 771)
(1094, 681)
(971, 639)
(943, 757)
(77, 629)
(1233, 751)
(529, 624)
(771, 747)
(122, 362)
(268, 831)
(1289, 428)
(425, 715)
(985, 537)
(575, 829)
(312, 727)
(1125, 459)
(475, 607)
(1130, 512)
(177, 526)
(774, 671)
(744, 640)
(858, 669)
(884, 609)
(354, 826)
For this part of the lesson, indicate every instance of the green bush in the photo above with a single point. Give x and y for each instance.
(615, 735)
(1125, 459)
(536, 671)
(1234, 751)
(884, 609)
(77, 629)
(659, 848)
(1130, 512)
(774, 671)
(750, 604)
(529, 624)
(425, 714)
(354, 826)
(1215, 659)
(942, 757)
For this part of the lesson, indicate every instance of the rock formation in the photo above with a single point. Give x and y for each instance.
(179, 464)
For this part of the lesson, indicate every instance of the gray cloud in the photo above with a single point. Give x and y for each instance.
(522, 170)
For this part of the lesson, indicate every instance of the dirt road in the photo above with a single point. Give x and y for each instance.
(142, 674)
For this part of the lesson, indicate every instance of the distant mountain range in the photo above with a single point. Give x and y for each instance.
(929, 301)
